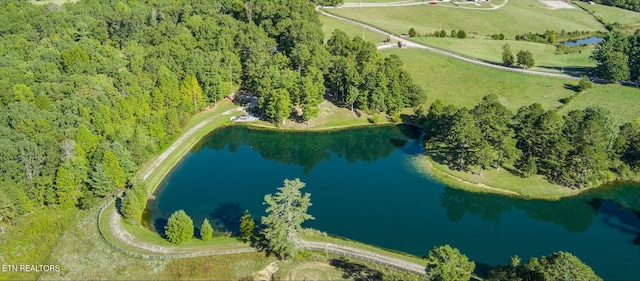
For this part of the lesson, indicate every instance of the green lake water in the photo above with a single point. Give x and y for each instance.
(363, 187)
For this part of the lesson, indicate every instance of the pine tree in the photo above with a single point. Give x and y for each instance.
(179, 228)
(130, 208)
(206, 231)
(507, 55)
(247, 226)
(286, 211)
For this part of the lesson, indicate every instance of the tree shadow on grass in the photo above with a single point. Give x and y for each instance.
(572, 87)
(355, 271)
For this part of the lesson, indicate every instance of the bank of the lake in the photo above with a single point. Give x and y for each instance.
(365, 187)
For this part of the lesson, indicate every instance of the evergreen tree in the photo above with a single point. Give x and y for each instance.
(179, 228)
(464, 136)
(507, 55)
(206, 231)
(286, 211)
(131, 209)
(247, 226)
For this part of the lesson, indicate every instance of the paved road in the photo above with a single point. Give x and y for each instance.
(412, 44)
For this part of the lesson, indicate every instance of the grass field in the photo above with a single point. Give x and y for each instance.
(330, 24)
(622, 101)
(515, 17)
(377, 1)
(491, 50)
(612, 14)
(462, 84)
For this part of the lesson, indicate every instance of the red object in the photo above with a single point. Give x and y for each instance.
(432, 2)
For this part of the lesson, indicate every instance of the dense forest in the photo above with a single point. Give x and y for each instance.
(89, 91)
(579, 149)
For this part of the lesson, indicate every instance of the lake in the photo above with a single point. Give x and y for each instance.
(364, 187)
(586, 41)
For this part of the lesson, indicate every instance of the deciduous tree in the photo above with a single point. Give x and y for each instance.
(447, 263)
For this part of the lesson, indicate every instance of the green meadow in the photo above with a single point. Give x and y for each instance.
(515, 17)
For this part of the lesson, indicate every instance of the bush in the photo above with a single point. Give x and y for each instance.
(179, 228)
(584, 84)
(412, 32)
(462, 34)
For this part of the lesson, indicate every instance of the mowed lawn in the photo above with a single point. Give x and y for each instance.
(491, 50)
(516, 17)
(331, 24)
(612, 14)
(622, 101)
(462, 84)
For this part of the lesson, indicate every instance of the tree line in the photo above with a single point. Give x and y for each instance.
(360, 77)
(90, 90)
(618, 56)
(624, 4)
(577, 150)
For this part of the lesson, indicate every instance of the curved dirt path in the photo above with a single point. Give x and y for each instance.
(185, 136)
(145, 249)
(412, 44)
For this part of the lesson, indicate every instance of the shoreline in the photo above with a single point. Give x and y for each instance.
(424, 165)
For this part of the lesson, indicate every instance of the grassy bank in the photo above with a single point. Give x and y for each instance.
(491, 50)
(492, 181)
(516, 17)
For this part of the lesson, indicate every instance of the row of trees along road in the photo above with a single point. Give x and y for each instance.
(89, 90)
(575, 150)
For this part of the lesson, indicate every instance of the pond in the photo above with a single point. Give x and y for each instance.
(586, 41)
(364, 187)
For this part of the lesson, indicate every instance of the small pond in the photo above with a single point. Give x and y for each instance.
(586, 41)
(364, 187)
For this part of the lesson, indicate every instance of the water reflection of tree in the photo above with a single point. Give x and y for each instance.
(458, 202)
(308, 149)
(574, 213)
